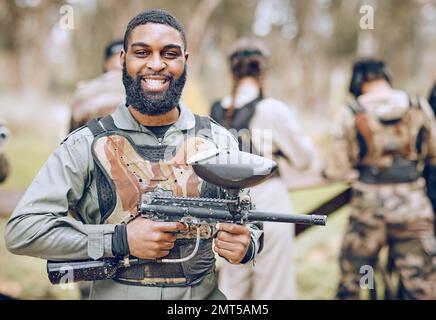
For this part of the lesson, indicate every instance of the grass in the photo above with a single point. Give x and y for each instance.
(317, 248)
(26, 277)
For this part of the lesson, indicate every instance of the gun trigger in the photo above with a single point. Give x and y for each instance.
(188, 226)
(213, 230)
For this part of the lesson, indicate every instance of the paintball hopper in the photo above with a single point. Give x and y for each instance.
(232, 169)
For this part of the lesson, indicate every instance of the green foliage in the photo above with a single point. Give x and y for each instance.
(317, 248)
(20, 276)
(26, 278)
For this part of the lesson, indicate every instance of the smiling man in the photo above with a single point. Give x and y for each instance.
(101, 171)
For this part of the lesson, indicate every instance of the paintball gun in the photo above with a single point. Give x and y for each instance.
(231, 171)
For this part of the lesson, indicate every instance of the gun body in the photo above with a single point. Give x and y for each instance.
(191, 211)
(86, 270)
(212, 211)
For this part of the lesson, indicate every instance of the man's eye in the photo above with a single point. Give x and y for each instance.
(141, 53)
(170, 54)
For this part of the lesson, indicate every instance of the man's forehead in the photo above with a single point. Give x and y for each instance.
(156, 34)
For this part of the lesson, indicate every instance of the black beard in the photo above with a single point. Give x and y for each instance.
(153, 103)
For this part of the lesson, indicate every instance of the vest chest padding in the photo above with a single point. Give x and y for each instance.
(132, 170)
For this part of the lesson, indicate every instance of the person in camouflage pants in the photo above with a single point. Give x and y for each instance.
(430, 170)
(394, 215)
(382, 140)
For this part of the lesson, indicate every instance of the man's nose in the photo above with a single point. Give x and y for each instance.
(156, 63)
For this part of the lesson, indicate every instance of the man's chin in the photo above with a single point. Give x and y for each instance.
(153, 107)
(155, 96)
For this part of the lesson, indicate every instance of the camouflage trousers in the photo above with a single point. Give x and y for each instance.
(398, 216)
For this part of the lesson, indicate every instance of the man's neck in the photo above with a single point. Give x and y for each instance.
(153, 121)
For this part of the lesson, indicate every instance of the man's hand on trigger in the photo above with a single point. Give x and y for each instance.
(232, 241)
(151, 239)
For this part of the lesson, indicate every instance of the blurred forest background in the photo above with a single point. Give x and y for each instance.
(312, 43)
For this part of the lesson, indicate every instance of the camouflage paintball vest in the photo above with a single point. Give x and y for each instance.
(124, 171)
(390, 151)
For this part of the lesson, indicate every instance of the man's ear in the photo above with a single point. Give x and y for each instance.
(186, 56)
(122, 57)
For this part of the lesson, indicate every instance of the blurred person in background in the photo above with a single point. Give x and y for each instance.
(4, 162)
(430, 171)
(264, 126)
(100, 96)
(381, 142)
(432, 99)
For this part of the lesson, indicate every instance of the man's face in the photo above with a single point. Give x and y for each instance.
(154, 68)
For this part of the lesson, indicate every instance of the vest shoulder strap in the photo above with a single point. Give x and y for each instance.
(95, 127)
(101, 125)
(203, 125)
(108, 123)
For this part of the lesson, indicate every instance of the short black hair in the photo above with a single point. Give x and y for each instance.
(365, 70)
(154, 16)
(114, 47)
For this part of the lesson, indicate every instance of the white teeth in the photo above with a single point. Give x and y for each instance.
(154, 82)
